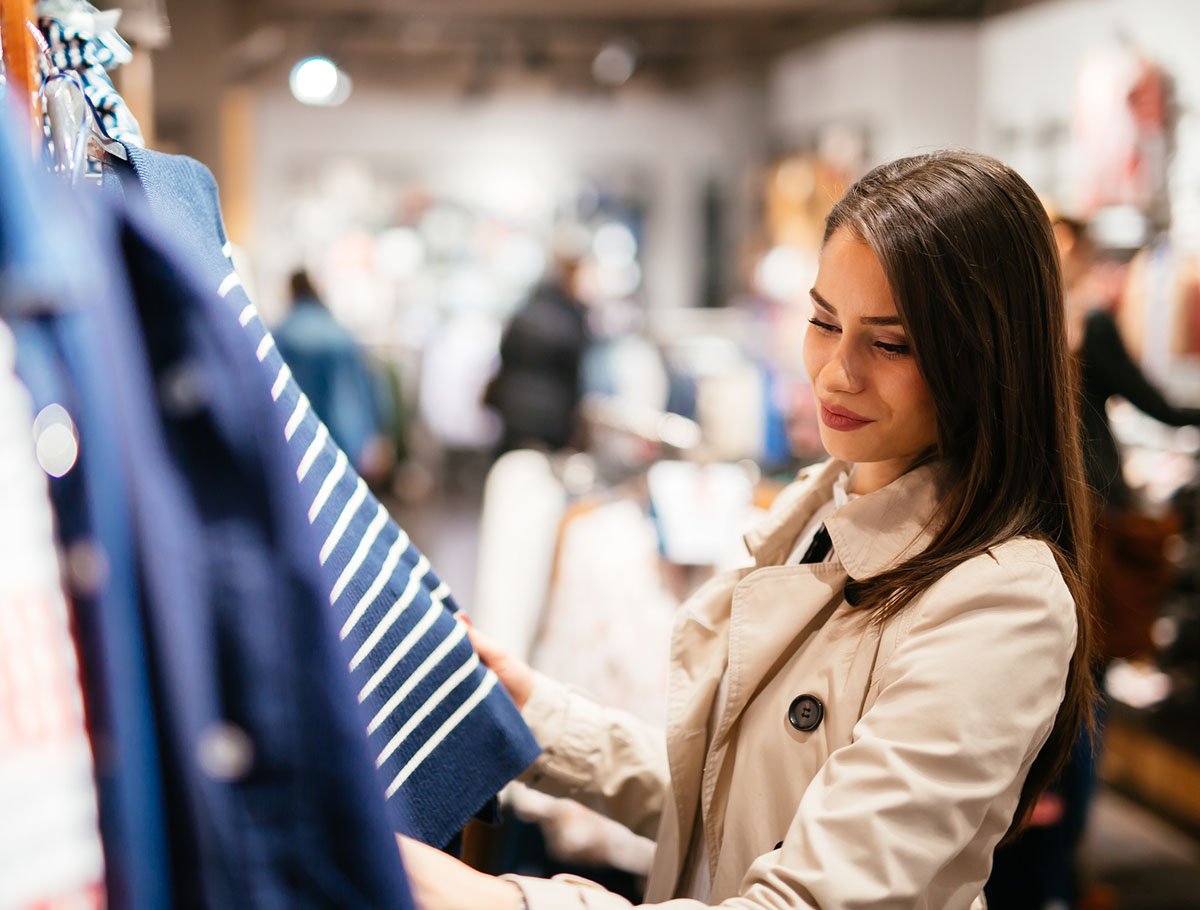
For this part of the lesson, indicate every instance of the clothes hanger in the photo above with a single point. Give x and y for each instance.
(76, 133)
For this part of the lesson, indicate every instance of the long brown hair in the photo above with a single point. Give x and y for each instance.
(971, 261)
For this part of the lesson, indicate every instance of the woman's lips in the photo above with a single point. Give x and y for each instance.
(837, 418)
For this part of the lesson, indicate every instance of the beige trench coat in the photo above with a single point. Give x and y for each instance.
(898, 797)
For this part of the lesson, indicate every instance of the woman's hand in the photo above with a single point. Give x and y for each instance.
(515, 675)
(440, 882)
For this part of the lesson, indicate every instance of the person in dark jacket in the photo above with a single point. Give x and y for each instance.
(536, 391)
(1106, 370)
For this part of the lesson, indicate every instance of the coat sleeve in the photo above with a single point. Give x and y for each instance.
(607, 759)
(934, 771)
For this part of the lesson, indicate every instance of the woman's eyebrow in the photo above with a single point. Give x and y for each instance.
(865, 320)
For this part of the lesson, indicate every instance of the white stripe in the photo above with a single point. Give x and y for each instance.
(430, 705)
(364, 547)
(227, 249)
(402, 603)
(298, 415)
(402, 649)
(264, 347)
(281, 382)
(231, 281)
(381, 579)
(247, 314)
(441, 592)
(343, 522)
(445, 646)
(313, 451)
(331, 479)
(489, 683)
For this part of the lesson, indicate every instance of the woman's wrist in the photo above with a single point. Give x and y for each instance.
(521, 903)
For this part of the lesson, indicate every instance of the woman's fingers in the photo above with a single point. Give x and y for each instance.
(515, 675)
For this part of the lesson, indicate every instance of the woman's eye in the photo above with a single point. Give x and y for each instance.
(823, 326)
(893, 350)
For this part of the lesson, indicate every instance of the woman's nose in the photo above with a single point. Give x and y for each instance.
(842, 372)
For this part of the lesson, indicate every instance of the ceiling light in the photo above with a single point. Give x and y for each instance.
(318, 81)
(615, 63)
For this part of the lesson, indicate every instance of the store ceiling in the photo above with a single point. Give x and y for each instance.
(482, 41)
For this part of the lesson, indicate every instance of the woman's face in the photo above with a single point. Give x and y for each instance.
(875, 409)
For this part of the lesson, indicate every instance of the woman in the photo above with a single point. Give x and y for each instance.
(859, 718)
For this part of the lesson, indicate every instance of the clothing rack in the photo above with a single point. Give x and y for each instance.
(20, 54)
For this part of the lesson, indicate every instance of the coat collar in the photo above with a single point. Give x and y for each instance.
(870, 535)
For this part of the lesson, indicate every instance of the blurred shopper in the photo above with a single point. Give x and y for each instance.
(332, 371)
(859, 718)
(537, 389)
(1107, 369)
(1134, 570)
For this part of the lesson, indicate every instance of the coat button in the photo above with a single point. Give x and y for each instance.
(805, 713)
(225, 752)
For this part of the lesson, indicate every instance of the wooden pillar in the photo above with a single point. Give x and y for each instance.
(20, 54)
(237, 110)
(135, 81)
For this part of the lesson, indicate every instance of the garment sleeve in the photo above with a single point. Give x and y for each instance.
(606, 759)
(1125, 378)
(964, 704)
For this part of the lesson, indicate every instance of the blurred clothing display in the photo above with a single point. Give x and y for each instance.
(50, 849)
(701, 512)
(537, 389)
(731, 409)
(629, 367)
(607, 624)
(455, 366)
(606, 631)
(445, 736)
(332, 372)
(516, 559)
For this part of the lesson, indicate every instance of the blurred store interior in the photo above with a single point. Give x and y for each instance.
(653, 175)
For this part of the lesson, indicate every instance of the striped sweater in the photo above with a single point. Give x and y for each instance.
(445, 735)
